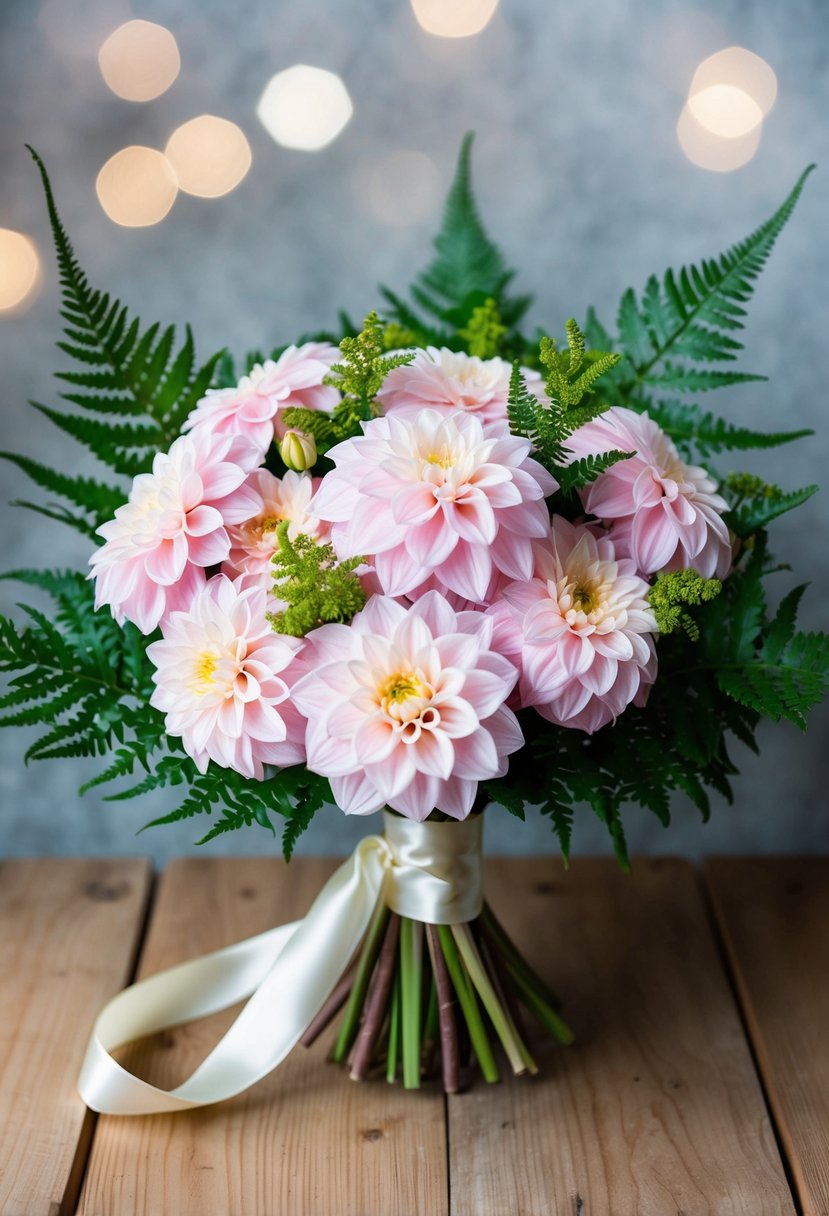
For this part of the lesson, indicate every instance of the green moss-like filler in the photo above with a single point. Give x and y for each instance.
(484, 332)
(396, 335)
(671, 596)
(316, 586)
(570, 403)
(359, 375)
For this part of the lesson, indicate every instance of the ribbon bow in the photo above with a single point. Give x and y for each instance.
(426, 871)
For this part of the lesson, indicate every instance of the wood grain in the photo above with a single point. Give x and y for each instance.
(305, 1141)
(656, 1110)
(68, 934)
(773, 914)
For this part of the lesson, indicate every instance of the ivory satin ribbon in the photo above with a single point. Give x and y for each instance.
(426, 871)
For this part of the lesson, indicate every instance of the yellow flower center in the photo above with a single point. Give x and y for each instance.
(404, 696)
(443, 458)
(206, 664)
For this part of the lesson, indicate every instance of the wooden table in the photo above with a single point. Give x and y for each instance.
(699, 1082)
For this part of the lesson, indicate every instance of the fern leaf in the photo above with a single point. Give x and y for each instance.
(753, 516)
(703, 433)
(694, 313)
(125, 374)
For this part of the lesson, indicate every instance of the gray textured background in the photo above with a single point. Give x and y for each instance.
(581, 179)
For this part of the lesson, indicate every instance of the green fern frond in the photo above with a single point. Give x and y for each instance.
(98, 501)
(570, 401)
(772, 502)
(137, 379)
(702, 434)
(694, 313)
(468, 270)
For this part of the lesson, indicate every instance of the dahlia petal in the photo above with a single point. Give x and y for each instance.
(355, 795)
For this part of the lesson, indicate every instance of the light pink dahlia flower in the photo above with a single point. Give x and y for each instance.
(580, 632)
(405, 708)
(666, 514)
(255, 406)
(172, 526)
(451, 380)
(432, 495)
(223, 680)
(254, 542)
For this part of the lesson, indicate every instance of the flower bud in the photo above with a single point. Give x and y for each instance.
(298, 450)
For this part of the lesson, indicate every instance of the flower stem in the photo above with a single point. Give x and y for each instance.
(329, 1010)
(411, 974)
(447, 1006)
(504, 943)
(517, 1052)
(430, 1028)
(357, 996)
(394, 1030)
(468, 1004)
(376, 1001)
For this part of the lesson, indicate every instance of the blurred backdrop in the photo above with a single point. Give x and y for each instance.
(341, 122)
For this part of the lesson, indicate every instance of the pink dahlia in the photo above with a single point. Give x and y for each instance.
(433, 495)
(255, 406)
(405, 708)
(451, 380)
(172, 526)
(666, 514)
(223, 679)
(254, 542)
(580, 632)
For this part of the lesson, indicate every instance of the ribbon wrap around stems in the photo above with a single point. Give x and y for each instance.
(426, 871)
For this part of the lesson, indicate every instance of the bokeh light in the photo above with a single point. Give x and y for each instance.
(209, 155)
(19, 270)
(725, 110)
(736, 68)
(401, 188)
(304, 107)
(715, 152)
(140, 60)
(137, 187)
(453, 18)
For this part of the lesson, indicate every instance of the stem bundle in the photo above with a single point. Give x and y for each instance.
(419, 993)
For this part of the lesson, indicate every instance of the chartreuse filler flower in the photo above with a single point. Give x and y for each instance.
(420, 565)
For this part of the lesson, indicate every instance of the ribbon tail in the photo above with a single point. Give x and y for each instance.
(287, 972)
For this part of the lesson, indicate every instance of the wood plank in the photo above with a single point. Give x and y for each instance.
(69, 930)
(656, 1110)
(773, 914)
(306, 1140)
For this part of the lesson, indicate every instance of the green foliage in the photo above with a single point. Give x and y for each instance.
(671, 596)
(483, 333)
(467, 272)
(293, 793)
(699, 434)
(570, 402)
(316, 587)
(364, 366)
(755, 503)
(694, 314)
(134, 389)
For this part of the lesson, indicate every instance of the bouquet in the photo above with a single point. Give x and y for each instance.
(418, 565)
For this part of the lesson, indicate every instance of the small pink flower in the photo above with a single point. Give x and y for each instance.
(256, 405)
(451, 380)
(223, 679)
(666, 514)
(254, 542)
(433, 496)
(405, 708)
(580, 632)
(172, 526)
